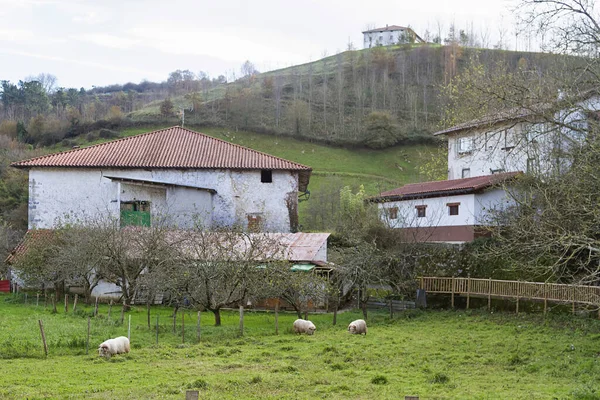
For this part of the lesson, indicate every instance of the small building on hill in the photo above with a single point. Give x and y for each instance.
(389, 35)
(452, 211)
(174, 176)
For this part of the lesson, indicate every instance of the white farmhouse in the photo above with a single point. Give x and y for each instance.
(452, 211)
(174, 175)
(391, 34)
(529, 140)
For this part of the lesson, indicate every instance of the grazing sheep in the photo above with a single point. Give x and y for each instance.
(114, 346)
(303, 326)
(358, 327)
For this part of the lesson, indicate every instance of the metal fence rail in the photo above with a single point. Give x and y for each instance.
(492, 288)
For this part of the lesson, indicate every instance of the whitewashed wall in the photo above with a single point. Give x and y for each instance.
(386, 38)
(473, 210)
(60, 195)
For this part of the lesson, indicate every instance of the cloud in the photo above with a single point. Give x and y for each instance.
(108, 67)
(105, 40)
(16, 35)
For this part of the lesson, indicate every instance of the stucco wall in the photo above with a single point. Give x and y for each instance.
(372, 39)
(78, 194)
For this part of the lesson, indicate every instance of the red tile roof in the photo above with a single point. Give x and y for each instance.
(388, 28)
(32, 238)
(445, 188)
(173, 147)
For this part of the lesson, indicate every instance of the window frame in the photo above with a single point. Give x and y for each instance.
(266, 176)
(421, 211)
(453, 206)
(461, 147)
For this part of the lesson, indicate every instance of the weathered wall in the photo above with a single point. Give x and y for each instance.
(79, 194)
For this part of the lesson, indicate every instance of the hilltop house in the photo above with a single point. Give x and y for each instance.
(177, 176)
(484, 157)
(391, 34)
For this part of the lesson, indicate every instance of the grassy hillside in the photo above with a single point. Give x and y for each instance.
(333, 99)
(432, 354)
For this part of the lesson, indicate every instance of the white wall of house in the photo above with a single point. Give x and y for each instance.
(517, 146)
(473, 209)
(59, 194)
(385, 38)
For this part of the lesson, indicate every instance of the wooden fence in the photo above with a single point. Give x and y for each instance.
(497, 289)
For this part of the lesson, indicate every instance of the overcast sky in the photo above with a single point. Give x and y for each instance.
(100, 42)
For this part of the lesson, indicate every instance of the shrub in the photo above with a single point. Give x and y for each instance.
(108, 133)
(198, 384)
(379, 380)
(440, 378)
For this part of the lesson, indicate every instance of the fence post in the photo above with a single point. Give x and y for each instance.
(37, 299)
(87, 342)
(545, 299)
(43, 337)
(573, 300)
(54, 304)
(468, 290)
(517, 304)
(96, 307)
(453, 282)
(241, 320)
(110, 308)
(66, 303)
(489, 293)
(123, 312)
(183, 326)
(75, 303)
(277, 316)
(129, 328)
(198, 333)
(156, 328)
(174, 320)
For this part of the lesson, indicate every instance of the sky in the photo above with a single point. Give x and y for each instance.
(86, 43)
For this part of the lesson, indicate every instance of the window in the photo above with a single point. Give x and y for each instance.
(497, 171)
(421, 211)
(531, 165)
(392, 212)
(491, 140)
(466, 173)
(254, 222)
(266, 176)
(465, 145)
(135, 213)
(509, 138)
(453, 208)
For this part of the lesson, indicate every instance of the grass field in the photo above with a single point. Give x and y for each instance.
(432, 354)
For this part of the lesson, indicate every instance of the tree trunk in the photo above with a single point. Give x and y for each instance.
(217, 313)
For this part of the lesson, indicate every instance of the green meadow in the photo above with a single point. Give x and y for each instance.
(432, 354)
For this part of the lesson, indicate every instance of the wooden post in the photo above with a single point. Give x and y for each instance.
(96, 308)
(66, 303)
(183, 326)
(110, 304)
(87, 342)
(517, 304)
(241, 320)
(75, 303)
(123, 313)
(45, 300)
(37, 299)
(489, 294)
(198, 333)
(306, 313)
(129, 328)
(157, 329)
(277, 316)
(148, 312)
(421, 283)
(468, 290)
(25, 297)
(453, 281)
(43, 337)
(54, 303)
(191, 395)
(573, 300)
(391, 308)
(545, 299)
(174, 320)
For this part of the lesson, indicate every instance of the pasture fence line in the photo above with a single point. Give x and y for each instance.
(518, 290)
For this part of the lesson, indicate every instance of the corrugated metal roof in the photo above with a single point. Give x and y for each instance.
(279, 246)
(444, 188)
(174, 147)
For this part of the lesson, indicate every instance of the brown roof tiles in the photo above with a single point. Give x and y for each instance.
(444, 188)
(174, 147)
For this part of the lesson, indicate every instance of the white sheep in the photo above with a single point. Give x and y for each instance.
(114, 346)
(303, 326)
(358, 327)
